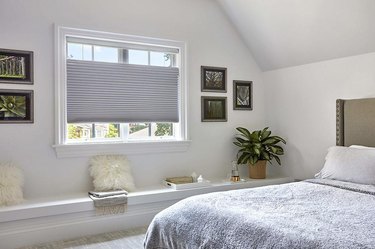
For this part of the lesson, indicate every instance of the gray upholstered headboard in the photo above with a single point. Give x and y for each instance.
(355, 122)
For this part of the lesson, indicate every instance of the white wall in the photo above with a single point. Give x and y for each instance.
(289, 33)
(28, 25)
(300, 106)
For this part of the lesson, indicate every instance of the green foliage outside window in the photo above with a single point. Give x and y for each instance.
(137, 127)
(84, 130)
(163, 129)
(74, 131)
(112, 131)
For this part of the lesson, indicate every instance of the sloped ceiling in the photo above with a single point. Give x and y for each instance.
(284, 33)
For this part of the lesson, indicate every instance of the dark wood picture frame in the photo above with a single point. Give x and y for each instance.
(242, 95)
(214, 109)
(16, 67)
(16, 106)
(213, 79)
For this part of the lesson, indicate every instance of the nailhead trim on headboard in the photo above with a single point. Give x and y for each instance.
(340, 122)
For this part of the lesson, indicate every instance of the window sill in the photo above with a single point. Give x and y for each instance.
(83, 150)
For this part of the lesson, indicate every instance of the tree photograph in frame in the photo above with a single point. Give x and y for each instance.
(213, 79)
(242, 95)
(16, 106)
(214, 109)
(16, 66)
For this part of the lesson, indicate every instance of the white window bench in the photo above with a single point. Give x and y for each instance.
(62, 217)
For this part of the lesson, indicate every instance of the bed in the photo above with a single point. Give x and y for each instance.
(335, 210)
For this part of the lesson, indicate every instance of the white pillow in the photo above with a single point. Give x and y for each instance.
(349, 164)
(11, 183)
(362, 147)
(111, 172)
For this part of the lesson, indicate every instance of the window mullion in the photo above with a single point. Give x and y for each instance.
(125, 56)
(124, 131)
(120, 58)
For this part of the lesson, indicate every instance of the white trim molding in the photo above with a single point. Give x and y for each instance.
(83, 150)
(64, 149)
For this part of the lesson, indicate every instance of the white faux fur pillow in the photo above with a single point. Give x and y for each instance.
(111, 172)
(11, 183)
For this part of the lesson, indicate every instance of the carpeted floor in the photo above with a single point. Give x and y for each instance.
(130, 239)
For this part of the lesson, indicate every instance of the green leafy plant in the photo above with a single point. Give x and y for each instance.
(257, 145)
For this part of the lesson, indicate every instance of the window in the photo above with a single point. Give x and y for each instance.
(119, 131)
(119, 89)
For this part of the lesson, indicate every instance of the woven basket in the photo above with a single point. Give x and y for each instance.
(258, 170)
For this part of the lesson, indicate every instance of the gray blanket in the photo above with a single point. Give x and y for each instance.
(308, 214)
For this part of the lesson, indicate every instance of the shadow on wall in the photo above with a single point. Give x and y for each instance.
(294, 164)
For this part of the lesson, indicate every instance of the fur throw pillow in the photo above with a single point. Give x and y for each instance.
(111, 172)
(11, 183)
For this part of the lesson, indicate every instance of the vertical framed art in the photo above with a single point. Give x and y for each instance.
(213, 79)
(16, 106)
(16, 66)
(242, 95)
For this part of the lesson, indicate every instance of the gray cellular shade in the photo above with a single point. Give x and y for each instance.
(124, 93)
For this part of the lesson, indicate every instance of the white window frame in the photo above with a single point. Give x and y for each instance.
(64, 149)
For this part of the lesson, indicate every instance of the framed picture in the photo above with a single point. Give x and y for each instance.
(214, 109)
(213, 79)
(16, 106)
(242, 95)
(16, 66)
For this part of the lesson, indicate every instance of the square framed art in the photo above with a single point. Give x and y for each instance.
(214, 109)
(16, 67)
(16, 106)
(242, 95)
(213, 79)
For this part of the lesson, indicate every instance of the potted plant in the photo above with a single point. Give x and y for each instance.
(256, 149)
